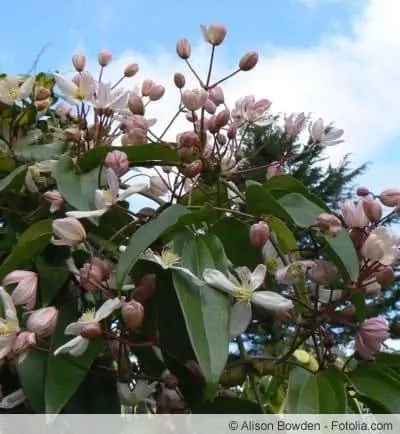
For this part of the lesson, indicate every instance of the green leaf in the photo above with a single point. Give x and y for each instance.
(51, 279)
(286, 239)
(206, 311)
(137, 155)
(7, 164)
(77, 190)
(15, 180)
(358, 299)
(144, 237)
(29, 244)
(388, 359)
(226, 405)
(378, 384)
(262, 203)
(234, 233)
(63, 375)
(321, 393)
(32, 374)
(49, 151)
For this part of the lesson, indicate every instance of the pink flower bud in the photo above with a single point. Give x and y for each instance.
(208, 151)
(222, 118)
(179, 80)
(183, 49)
(79, 62)
(69, 232)
(54, 198)
(63, 110)
(118, 161)
(274, 169)
(104, 57)
(232, 131)
(147, 87)
(188, 139)
(329, 224)
(91, 276)
(185, 153)
(216, 95)
(363, 191)
(91, 331)
(210, 107)
(194, 99)
(193, 169)
(248, 61)
(137, 136)
(23, 341)
(212, 125)
(372, 209)
(156, 93)
(43, 321)
(132, 314)
(135, 105)
(131, 70)
(259, 234)
(370, 336)
(214, 33)
(390, 197)
(386, 276)
(221, 139)
(284, 317)
(26, 290)
(42, 94)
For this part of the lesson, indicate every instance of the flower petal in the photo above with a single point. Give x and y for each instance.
(75, 347)
(26, 87)
(66, 86)
(326, 295)
(258, 277)
(240, 318)
(86, 214)
(133, 189)
(218, 280)
(10, 312)
(271, 301)
(108, 308)
(75, 328)
(13, 400)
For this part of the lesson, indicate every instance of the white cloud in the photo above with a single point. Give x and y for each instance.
(352, 80)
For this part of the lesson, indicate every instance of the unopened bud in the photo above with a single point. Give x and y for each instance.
(117, 161)
(42, 94)
(216, 95)
(232, 131)
(363, 191)
(210, 107)
(390, 197)
(43, 321)
(193, 169)
(274, 169)
(42, 105)
(284, 317)
(170, 381)
(79, 62)
(188, 139)
(131, 70)
(183, 49)
(185, 153)
(221, 139)
(23, 341)
(259, 234)
(222, 118)
(91, 331)
(135, 105)
(145, 289)
(329, 224)
(147, 87)
(179, 80)
(248, 61)
(104, 57)
(386, 276)
(214, 33)
(372, 209)
(132, 314)
(156, 93)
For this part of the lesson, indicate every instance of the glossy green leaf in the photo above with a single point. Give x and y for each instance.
(379, 384)
(137, 155)
(262, 203)
(358, 299)
(51, 279)
(32, 374)
(49, 151)
(7, 164)
(234, 235)
(388, 359)
(64, 375)
(227, 405)
(15, 180)
(144, 237)
(286, 239)
(30, 244)
(321, 393)
(206, 311)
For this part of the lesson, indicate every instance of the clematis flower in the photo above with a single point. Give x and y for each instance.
(294, 272)
(12, 91)
(25, 291)
(106, 198)
(105, 97)
(250, 110)
(75, 93)
(353, 214)
(325, 135)
(141, 392)
(370, 336)
(78, 345)
(9, 325)
(167, 259)
(243, 290)
(294, 124)
(54, 198)
(379, 247)
(69, 232)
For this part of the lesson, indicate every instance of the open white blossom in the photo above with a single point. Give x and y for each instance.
(12, 91)
(353, 214)
(141, 392)
(325, 135)
(76, 93)
(380, 247)
(106, 198)
(105, 97)
(9, 325)
(243, 291)
(78, 345)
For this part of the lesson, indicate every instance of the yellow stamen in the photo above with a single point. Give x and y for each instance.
(14, 94)
(8, 329)
(272, 265)
(79, 94)
(108, 197)
(169, 258)
(88, 315)
(296, 271)
(242, 293)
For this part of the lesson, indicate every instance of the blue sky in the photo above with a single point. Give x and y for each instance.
(335, 58)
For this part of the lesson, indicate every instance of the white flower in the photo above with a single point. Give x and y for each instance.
(250, 110)
(233, 193)
(379, 247)
(353, 214)
(13, 400)
(243, 291)
(271, 258)
(9, 325)
(325, 135)
(11, 91)
(158, 186)
(294, 272)
(74, 93)
(167, 259)
(140, 393)
(107, 98)
(106, 198)
(78, 345)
